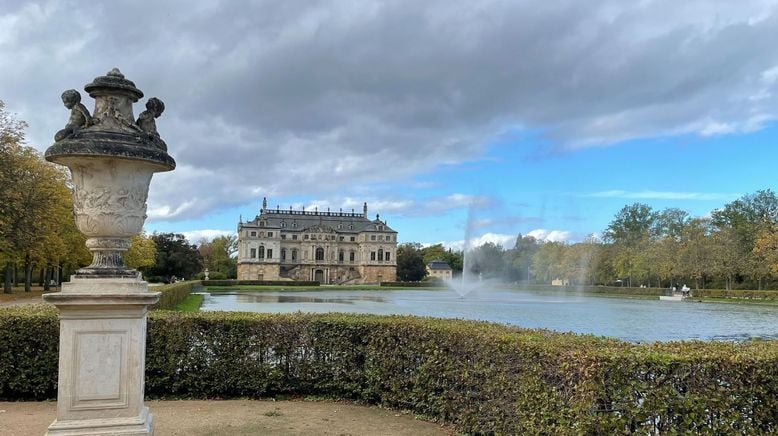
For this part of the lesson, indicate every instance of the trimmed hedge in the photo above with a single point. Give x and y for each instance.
(739, 293)
(428, 284)
(173, 294)
(484, 378)
(257, 283)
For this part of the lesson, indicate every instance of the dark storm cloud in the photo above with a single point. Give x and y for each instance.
(280, 98)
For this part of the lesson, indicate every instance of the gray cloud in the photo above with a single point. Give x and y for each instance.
(278, 98)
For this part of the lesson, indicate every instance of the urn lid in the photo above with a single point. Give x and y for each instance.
(114, 80)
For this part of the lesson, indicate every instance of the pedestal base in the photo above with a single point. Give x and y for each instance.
(102, 346)
(140, 425)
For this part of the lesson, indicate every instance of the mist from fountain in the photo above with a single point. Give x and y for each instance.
(467, 283)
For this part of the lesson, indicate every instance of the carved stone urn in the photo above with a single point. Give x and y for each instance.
(112, 157)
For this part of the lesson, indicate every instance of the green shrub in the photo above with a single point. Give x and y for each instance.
(29, 347)
(425, 284)
(484, 378)
(173, 294)
(258, 283)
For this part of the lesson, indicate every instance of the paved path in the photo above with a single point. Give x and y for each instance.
(241, 417)
(21, 301)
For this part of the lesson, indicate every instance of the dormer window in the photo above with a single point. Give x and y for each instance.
(262, 224)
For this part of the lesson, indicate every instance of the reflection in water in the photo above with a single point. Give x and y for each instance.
(265, 298)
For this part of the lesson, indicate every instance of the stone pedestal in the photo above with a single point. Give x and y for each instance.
(102, 357)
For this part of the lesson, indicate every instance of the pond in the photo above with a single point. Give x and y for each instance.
(630, 319)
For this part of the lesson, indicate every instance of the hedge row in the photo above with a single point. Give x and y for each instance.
(173, 294)
(428, 284)
(703, 293)
(738, 293)
(257, 283)
(484, 378)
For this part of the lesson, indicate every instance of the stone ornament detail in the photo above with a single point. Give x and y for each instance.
(113, 112)
(112, 157)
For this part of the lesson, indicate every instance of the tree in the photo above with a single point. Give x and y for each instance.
(670, 223)
(520, 258)
(142, 254)
(176, 257)
(547, 261)
(632, 225)
(486, 261)
(218, 256)
(410, 263)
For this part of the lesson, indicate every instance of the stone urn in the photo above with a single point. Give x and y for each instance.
(112, 157)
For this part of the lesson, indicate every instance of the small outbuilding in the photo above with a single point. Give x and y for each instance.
(439, 269)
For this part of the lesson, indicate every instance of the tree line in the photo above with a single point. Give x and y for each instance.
(735, 247)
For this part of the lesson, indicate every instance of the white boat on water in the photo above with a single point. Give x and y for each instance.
(678, 297)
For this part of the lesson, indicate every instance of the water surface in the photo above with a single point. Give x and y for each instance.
(636, 320)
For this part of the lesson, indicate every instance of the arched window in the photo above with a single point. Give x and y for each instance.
(283, 254)
(294, 254)
(341, 256)
(380, 254)
(319, 253)
(261, 252)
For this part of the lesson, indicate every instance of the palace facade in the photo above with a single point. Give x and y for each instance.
(327, 247)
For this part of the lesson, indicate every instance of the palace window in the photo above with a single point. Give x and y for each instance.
(351, 256)
(387, 256)
(341, 256)
(283, 235)
(262, 224)
(283, 254)
(306, 237)
(372, 255)
(342, 238)
(353, 238)
(269, 234)
(294, 237)
(283, 224)
(254, 234)
(380, 237)
(269, 253)
(380, 254)
(253, 253)
(294, 254)
(261, 252)
(319, 253)
(372, 237)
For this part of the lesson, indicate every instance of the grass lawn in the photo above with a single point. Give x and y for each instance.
(192, 303)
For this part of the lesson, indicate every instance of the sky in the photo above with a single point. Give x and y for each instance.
(450, 117)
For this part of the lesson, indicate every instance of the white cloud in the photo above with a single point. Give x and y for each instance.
(506, 241)
(194, 236)
(551, 235)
